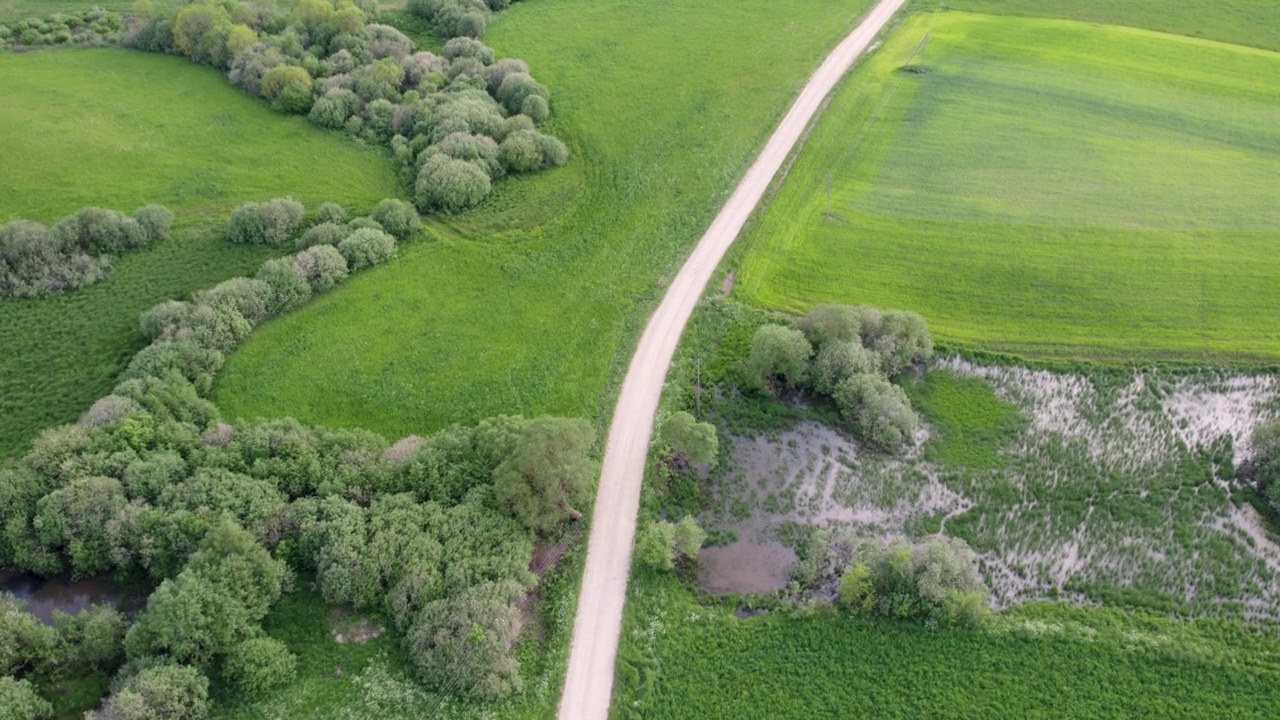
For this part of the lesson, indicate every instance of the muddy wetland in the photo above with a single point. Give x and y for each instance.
(1117, 486)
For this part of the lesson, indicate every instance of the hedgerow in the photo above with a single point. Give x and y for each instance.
(37, 261)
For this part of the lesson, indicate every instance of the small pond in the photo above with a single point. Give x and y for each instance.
(44, 595)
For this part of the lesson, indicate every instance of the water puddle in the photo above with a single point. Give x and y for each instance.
(45, 595)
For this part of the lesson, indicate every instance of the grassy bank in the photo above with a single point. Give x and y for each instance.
(1124, 219)
(120, 129)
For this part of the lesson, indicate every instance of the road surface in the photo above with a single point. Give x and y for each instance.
(589, 683)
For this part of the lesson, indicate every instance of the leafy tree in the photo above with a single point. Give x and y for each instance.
(187, 358)
(266, 223)
(258, 665)
(1264, 464)
(450, 185)
(690, 441)
(468, 638)
(247, 296)
(92, 638)
(877, 409)
(250, 501)
(519, 152)
(189, 619)
(838, 360)
(835, 322)
(654, 544)
(20, 701)
(331, 212)
(778, 355)
(938, 579)
(547, 472)
(160, 691)
(155, 321)
(325, 233)
(73, 520)
(288, 288)
(323, 267)
(901, 339)
(688, 537)
(25, 643)
(367, 247)
(334, 108)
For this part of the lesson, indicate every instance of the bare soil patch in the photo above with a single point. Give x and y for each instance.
(745, 567)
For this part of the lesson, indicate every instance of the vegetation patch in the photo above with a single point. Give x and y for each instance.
(1122, 219)
(968, 424)
(120, 129)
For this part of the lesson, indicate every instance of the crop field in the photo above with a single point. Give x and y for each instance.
(1246, 22)
(682, 660)
(528, 303)
(1123, 218)
(120, 129)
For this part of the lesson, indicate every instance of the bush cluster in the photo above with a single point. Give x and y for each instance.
(87, 28)
(152, 485)
(37, 261)
(849, 354)
(456, 122)
(1264, 464)
(936, 580)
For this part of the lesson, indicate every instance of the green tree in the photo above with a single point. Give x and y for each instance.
(878, 410)
(258, 665)
(25, 643)
(288, 88)
(654, 544)
(690, 441)
(547, 473)
(467, 639)
(20, 701)
(159, 692)
(688, 538)
(779, 355)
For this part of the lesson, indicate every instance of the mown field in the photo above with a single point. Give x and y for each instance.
(681, 660)
(120, 129)
(1123, 218)
(1247, 22)
(527, 303)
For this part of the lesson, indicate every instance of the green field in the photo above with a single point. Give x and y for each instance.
(1247, 22)
(119, 129)
(682, 660)
(528, 303)
(1047, 188)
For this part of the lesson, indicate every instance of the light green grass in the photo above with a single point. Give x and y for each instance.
(680, 660)
(1049, 188)
(530, 302)
(969, 423)
(1247, 22)
(119, 129)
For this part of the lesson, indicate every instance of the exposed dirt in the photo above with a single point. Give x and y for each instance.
(726, 287)
(359, 631)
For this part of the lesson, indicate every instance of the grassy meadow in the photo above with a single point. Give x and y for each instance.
(119, 129)
(528, 303)
(1048, 188)
(679, 659)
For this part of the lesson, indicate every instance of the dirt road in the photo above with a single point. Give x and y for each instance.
(589, 683)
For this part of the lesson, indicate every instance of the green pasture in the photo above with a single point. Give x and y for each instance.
(1047, 188)
(681, 660)
(119, 129)
(529, 303)
(1246, 22)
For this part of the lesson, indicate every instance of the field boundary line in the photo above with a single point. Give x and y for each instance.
(597, 624)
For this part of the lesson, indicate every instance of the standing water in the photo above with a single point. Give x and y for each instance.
(44, 595)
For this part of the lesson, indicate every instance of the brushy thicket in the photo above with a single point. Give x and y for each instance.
(151, 485)
(455, 122)
(849, 354)
(38, 261)
(89, 28)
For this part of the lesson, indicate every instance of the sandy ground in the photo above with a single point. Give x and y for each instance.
(589, 682)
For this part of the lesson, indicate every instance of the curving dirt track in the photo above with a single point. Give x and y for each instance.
(589, 683)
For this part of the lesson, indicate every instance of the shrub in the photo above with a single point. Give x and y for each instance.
(330, 212)
(554, 153)
(197, 363)
(519, 152)
(323, 267)
(267, 223)
(362, 223)
(367, 247)
(654, 545)
(220, 327)
(465, 641)
(690, 441)
(450, 185)
(938, 579)
(161, 691)
(466, 47)
(247, 296)
(20, 701)
(480, 150)
(155, 321)
(108, 409)
(495, 73)
(259, 664)
(96, 230)
(326, 233)
(902, 338)
(35, 263)
(25, 644)
(840, 359)
(778, 354)
(536, 108)
(155, 222)
(253, 62)
(877, 409)
(388, 42)
(397, 217)
(517, 86)
(334, 108)
(835, 322)
(288, 87)
(288, 288)
(515, 123)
